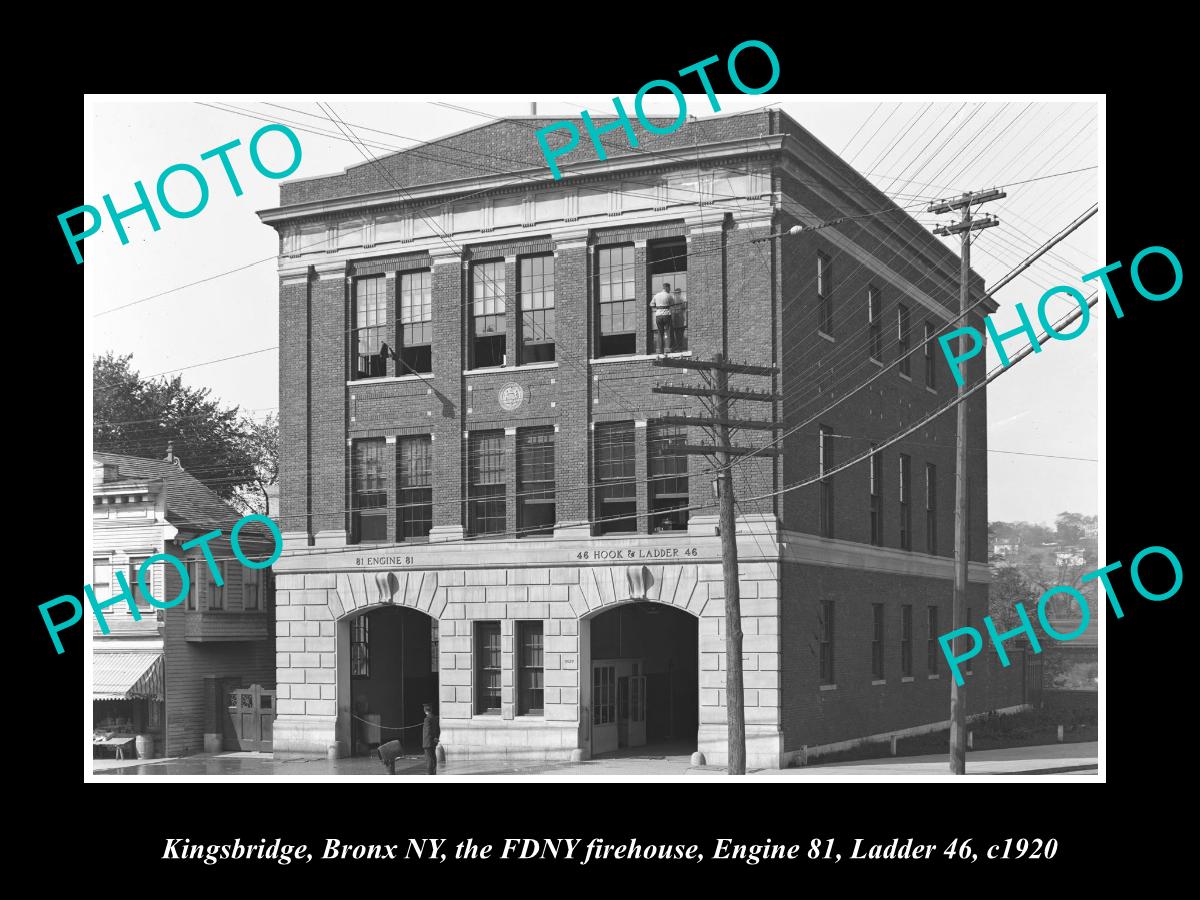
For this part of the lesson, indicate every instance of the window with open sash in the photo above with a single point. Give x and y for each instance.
(416, 323)
(667, 262)
(370, 328)
(487, 314)
(616, 298)
(537, 308)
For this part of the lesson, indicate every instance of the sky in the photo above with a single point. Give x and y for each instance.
(200, 290)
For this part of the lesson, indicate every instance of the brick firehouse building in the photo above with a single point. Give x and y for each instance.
(479, 494)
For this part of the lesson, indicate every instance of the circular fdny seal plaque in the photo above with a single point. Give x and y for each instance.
(511, 396)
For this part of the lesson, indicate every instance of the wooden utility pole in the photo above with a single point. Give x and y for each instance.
(720, 423)
(958, 699)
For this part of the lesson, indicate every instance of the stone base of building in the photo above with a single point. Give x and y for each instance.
(481, 738)
(308, 735)
(764, 746)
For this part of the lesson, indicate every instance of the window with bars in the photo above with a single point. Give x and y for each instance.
(537, 308)
(530, 686)
(930, 368)
(905, 502)
(414, 480)
(874, 323)
(487, 668)
(360, 646)
(827, 642)
(877, 642)
(902, 340)
(370, 328)
(487, 483)
(368, 507)
(487, 314)
(535, 481)
(875, 474)
(824, 464)
(825, 292)
(667, 261)
(667, 466)
(416, 323)
(616, 296)
(931, 508)
(932, 652)
(616, 473)
(906, 640)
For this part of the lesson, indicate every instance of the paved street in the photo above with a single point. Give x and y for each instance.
(1068, 759)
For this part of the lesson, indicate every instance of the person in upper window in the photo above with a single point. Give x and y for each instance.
(662, 304)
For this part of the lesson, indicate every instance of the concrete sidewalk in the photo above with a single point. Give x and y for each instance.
(1069, 759)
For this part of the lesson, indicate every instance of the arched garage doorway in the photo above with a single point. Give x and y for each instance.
(644, 680)
(390, 665)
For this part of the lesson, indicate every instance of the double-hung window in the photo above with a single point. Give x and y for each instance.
(368, 504)
(902, 340)
(905, 502)
(616, 295)
(530, 686)
(667, 465)
(535, 481)
(825, 292)
(414, 513)
(215, 585)
(487, 314)
(487, 668)
(416, 323)
(616, 472)
(875, 473)
(932, 652)
(251, 589)
(370, 327)
(824, 464)
(875, 324)
(827, 642)
(930, 368)
(931, 508)
(487, 483)
(877, 641)
(537, 309)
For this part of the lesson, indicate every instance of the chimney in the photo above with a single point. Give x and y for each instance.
(533, 109)
(104, 472)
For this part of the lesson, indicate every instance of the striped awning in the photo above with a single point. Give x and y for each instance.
(127, 674)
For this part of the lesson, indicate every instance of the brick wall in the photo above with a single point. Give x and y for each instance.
(858, 707)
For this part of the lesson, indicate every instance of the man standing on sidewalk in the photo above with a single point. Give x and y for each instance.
(430, 732)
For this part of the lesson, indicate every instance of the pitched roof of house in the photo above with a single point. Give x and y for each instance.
(189, 503)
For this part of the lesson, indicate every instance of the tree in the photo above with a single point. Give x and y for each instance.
(134, 416)
(262, 441)
(1010, 585)
(1072, 527)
